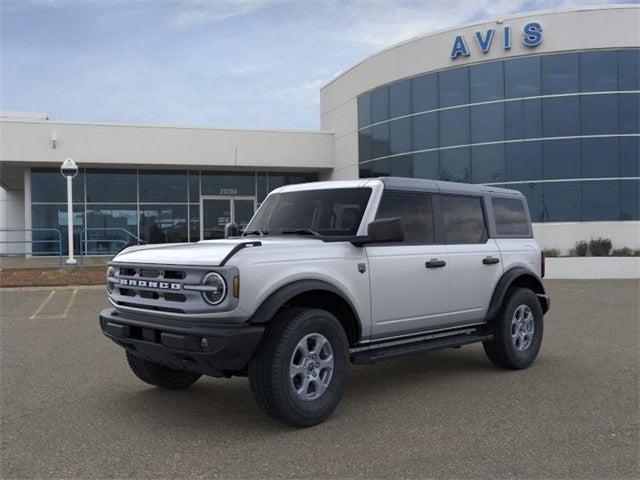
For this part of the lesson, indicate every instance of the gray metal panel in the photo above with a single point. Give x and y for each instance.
(413, 184)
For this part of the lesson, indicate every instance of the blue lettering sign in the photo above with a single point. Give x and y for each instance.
(532, 35)
(459, 48)
(506, 38)
(485, 43)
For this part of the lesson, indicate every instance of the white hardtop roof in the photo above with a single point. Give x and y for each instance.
(402, 183)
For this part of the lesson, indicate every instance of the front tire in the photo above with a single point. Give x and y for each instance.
(159, 375)
(517, 330)
(299, 370)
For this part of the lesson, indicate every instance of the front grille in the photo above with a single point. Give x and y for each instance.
(158, 289)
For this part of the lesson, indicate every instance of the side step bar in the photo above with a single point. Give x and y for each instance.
(381, 352)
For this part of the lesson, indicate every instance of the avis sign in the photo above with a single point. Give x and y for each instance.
(531, 37)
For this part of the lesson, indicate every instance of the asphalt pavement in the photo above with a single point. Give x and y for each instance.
(70, 407)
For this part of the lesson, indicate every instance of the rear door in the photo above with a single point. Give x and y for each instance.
(409, 280)
(474, 259)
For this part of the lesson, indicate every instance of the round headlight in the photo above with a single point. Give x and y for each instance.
(111, 274)
(216, 288)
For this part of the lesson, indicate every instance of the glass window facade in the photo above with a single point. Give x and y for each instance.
(112, 207)
(556, 127)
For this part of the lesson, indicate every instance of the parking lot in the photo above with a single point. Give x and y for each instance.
(72, 408)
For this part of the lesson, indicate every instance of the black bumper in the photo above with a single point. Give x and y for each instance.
(214, 350)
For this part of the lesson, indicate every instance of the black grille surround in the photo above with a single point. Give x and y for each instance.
(165, 289)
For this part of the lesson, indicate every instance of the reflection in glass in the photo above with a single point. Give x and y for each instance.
(454, 127)
(365, 145)
(598, 71)
(522, 77)
(415, 211)
(630, 200)
(487, 164)
(487, 123)
(401, 166)
(630, 156)
(194, 222)
(523, 161)
(400, 133)
(194, 186)
(426, 165)
(400, 99)
(380, 140)
(453, 87)
(55, 217)
(562, 202)
(364, 110)
(424, 93)
(599, 114)
(560, 73)
(561, 116)
(425, 131)
(379, 104)
(600, 157)
(487, 81)
(600, 201)
(163, 223)
(561, 159)
(117, 220)
(629, 69)
(454, 165)
(49, 186)
(112, 186)
(163, 186)
(533, 194)
(629, 113)
(523, 119)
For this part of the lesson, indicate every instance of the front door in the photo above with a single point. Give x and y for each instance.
(217, 211)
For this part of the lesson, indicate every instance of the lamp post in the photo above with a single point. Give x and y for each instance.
(69, 169)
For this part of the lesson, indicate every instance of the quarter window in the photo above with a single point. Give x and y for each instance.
(511, 216)
(463, 219)
(415, 211)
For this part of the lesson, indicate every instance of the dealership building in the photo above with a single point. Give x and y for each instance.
(546, 103)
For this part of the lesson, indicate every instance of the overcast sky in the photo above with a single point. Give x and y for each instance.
(244, 63)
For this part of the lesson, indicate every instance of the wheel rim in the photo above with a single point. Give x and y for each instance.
(311, 367)
(522, 326)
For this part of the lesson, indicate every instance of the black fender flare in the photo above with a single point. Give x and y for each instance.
(506, 281)
(282, 295)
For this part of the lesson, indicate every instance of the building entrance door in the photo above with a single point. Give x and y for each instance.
(216, 211)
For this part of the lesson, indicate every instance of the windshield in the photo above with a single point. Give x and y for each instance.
(327, 212)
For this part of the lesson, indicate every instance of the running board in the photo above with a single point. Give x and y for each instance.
(377, 353)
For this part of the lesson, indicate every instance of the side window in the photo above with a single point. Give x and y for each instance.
(415, 211)
(511, 217)
(463, 219)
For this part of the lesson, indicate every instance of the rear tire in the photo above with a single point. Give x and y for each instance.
(298, 373)
(517, 330)
(159, 375)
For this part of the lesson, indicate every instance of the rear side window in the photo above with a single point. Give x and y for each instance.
(463, 219)
(415, 211)
(510, 215)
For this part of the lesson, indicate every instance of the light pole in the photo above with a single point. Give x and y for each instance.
(69, 169)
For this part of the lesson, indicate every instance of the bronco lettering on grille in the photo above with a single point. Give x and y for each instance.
(129, 282)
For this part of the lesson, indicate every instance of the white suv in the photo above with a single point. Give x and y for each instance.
(330, 273)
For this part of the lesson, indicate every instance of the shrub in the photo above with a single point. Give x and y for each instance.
(600, 247)
(551, 252)
(625, 252)
(581, 248)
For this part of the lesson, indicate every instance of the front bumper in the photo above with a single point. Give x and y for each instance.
(215, 350)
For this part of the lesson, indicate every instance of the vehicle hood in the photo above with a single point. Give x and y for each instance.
(204, 253)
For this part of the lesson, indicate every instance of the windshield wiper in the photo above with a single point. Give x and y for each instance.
(255, 232)
(301, 231)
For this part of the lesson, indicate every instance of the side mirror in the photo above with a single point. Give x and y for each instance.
(230, 230)
(382, 230)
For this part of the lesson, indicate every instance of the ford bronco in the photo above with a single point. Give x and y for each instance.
(327, 274)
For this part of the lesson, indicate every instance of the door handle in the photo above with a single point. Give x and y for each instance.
(435, 263)
(490, 260)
